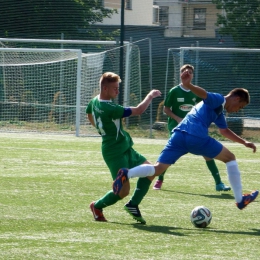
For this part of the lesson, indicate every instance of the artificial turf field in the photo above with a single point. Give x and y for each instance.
(48, 181)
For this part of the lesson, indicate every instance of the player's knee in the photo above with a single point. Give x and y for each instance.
(230, 157)
(151, 178)
(160, 168)
(124, 193)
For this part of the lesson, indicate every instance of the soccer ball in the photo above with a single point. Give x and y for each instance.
(200, 217)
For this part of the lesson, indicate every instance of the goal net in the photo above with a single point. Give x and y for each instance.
(38, 88)
(220, 70)
(47, 90)
(94, 65)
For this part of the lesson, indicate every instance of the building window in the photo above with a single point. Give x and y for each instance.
(128, 4)
(164, 15)
(199, 22)
(160, 15)
(156, 14)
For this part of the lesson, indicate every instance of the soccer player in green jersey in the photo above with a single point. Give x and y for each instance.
(179, 101)
(117, 144)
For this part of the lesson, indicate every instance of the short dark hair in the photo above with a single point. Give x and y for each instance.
(186, 66)
(242, 93)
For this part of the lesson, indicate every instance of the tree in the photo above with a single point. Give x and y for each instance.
(45, 18)
(241, 20)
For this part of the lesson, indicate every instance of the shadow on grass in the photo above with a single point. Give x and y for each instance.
(161, 229)
(223, 196)
(155, 228)
(255, 232)
(174, 230)
(178, 231)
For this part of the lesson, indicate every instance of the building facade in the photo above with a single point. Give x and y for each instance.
(136, 12)
(187, 18)
(180, 18)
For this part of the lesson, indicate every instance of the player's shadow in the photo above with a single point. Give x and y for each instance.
(154, 228)
(223, 196)
(255, 232)
(187, 231)
(178, 231)
(160, 229)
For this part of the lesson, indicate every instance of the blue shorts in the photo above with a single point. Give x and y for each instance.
(181, 143)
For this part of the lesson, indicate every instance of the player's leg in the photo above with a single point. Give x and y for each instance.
(142, 187)
(211, 148)
(173, 150)
(158, 184)
(214, 149)
(220, 186)
(97, 206)
(144, 170)
(110, 197)
(132, 206)
(125, 174)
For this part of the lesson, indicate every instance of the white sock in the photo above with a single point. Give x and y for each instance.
(234, 179)
(142, 170)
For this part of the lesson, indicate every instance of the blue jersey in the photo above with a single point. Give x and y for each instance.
(199, 119)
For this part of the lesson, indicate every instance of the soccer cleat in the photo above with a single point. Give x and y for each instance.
(97, 213)
(120, 180)
(222, 187)
(157, 185)
(247, 198)
(134, 212)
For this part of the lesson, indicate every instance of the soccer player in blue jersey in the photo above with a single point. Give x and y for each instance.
(191, 136)
(179, 101)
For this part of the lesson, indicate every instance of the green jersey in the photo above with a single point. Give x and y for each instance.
(108, 121)
(180, 101)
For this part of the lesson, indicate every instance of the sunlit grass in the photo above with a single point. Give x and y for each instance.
(48, 181)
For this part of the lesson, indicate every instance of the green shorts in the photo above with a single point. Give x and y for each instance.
(129, 159)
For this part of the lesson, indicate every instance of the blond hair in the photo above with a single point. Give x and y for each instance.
(108, 77)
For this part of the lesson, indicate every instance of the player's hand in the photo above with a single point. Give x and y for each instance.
(155, 93)
(251, 145)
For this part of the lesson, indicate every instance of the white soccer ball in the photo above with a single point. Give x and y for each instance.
(200, 217)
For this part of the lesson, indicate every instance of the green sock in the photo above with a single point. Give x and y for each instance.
(107, 200)
(214, 171)
(142, 188)
(161, 177)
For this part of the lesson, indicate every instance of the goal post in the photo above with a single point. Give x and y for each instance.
(220, 70)
(31, 91)
(131, 88)
(47, 90)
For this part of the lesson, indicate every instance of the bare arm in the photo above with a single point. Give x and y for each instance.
(235, 138)
(186, 81)
(138, 110)
(169, 113)
(91, 119)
